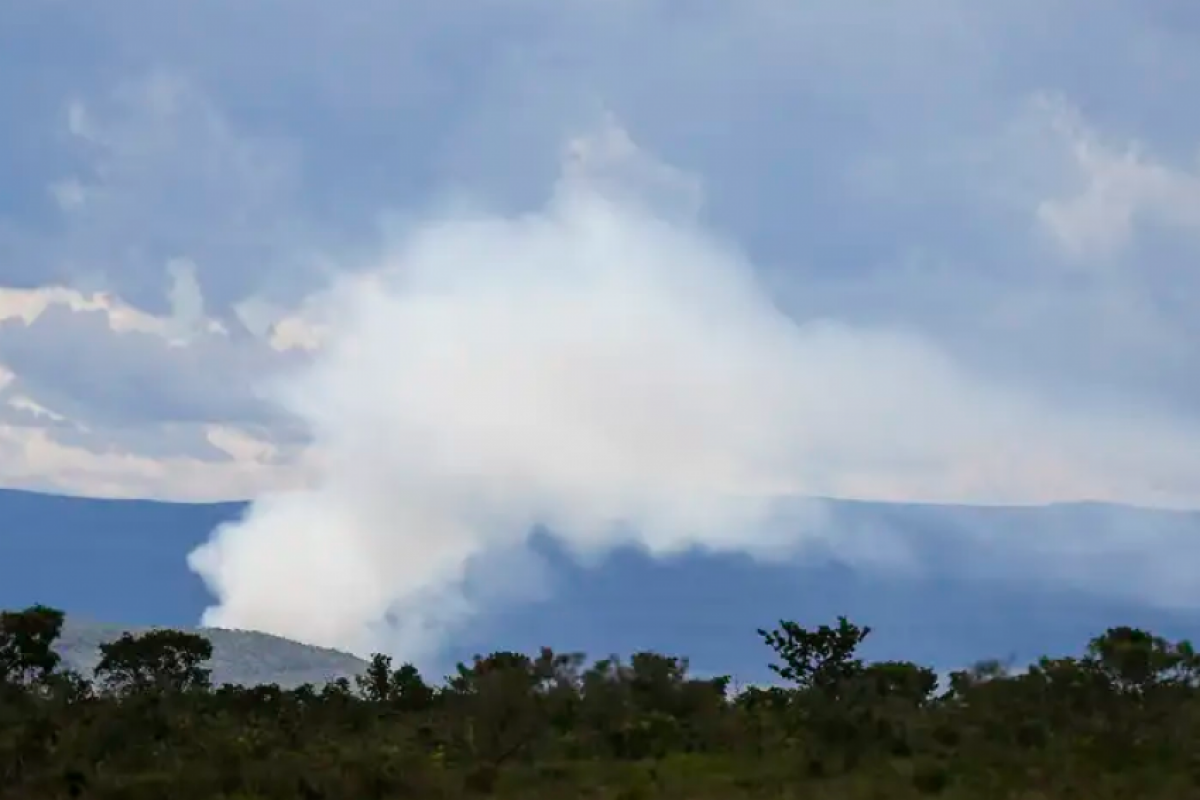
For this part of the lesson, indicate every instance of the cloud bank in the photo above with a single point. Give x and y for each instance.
(608, 369)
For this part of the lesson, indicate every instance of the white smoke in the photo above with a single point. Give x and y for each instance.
(609, 370)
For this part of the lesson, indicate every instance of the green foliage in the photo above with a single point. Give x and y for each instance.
(822, 659)
(402, 689)
(1120, 721)
(161, 660)
(1137, 662)
(26, 644)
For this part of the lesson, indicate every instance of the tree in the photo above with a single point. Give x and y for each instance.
(901, 680)
(402, 688)
(497, 710)
(375, 684)
(27, 644)
(822, 659)
(162, 660)
(1137, 661)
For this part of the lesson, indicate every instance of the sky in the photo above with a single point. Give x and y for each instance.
(632, 270)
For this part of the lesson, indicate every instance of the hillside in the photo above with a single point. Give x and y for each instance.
(241, 657)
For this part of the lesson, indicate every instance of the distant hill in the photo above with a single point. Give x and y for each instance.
(244, 657)
(125, 562)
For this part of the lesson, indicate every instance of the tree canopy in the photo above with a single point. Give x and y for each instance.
(1120, 720)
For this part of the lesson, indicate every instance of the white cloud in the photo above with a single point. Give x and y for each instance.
(37, 458)
(69, 193)
(33, 459)
(161, 179)
(23, 403)
(1120, 187)
(187, 311)
(300, 328)
(240, 445)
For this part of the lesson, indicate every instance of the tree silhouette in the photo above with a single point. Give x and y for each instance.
(822, 659)
(402, 688)
(1121, 720)
(27, 644)
(160, 660)
(1136, 661)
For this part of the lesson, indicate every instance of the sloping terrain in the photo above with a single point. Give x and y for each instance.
(244, 657)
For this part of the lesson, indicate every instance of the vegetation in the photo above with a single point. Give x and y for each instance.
(1120, 721)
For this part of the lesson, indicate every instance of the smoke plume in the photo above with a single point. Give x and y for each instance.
(609, 370)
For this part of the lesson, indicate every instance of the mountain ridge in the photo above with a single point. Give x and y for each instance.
(239, 656)
(124, 562)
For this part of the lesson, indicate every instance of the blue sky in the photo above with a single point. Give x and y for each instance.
(945, 250)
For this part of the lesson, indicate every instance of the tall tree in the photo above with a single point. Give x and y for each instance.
(164, 660)
(816, 659)
(27, 644)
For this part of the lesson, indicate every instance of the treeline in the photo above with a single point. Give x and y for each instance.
(1120, 721)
